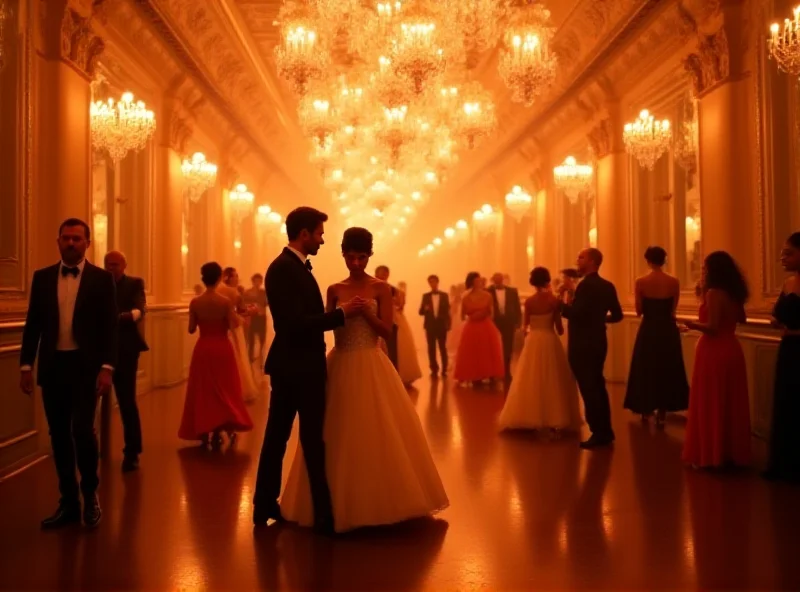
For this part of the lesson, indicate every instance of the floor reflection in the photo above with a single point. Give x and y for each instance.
(525, 513)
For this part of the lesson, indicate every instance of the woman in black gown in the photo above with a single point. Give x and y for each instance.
(784, 449)
(657, 377)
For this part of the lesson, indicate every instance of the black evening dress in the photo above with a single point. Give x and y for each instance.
(784, 446)
(657, 378)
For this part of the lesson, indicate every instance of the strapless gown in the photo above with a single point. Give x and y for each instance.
(380, 469)
(544, 393)
(250, 389)
(214, 391)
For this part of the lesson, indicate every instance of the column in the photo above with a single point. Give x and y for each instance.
(545, 236)
(613, 228)
(65, 56)
(726, 160)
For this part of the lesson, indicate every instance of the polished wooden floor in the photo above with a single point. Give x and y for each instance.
(525, 514)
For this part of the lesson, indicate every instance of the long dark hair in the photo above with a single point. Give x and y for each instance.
(471, 277)
(722, 273)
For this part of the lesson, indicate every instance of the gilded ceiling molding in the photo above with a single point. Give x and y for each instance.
(66, 32)
(600, 139)
(709, 63)
(175, 125)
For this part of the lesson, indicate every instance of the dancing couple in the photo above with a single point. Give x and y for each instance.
(362, 459)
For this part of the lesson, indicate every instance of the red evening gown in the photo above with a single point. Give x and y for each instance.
(718, 428)
(214, 392)
(480, 352)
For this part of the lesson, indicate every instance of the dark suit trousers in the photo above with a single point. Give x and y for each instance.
(302, 394)
(391, 346)
(507, 332)
(125, 389)
(587, 361)
(437, 337)
(256, 331)
(70, 402)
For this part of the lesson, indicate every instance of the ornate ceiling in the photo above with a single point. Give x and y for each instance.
(600, 44)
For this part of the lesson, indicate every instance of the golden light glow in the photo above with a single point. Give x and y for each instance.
(647, 139)
(300, 58)
(518, 202)
(241, 200)
(573, 178)
(199, 175)
(784, 45)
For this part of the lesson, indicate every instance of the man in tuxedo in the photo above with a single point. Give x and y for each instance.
(72, 322)
(297, 368)
(595, 304)
(507, 316)
(435, 308)
(382, 273)
(131, 305)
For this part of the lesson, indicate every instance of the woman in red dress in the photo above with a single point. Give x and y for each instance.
(214, 392)
(480, 351)
(718, 429)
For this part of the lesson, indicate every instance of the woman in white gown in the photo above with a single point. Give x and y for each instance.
(407, 357)
(457, 293)
(544, 393)
(380, 470)
(229, 289)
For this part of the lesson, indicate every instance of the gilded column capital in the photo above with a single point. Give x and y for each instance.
(66, 33)
(177, 126)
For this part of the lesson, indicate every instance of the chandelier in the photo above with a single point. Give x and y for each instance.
(301, 57)
(394, 130)
(241, 201)
(475, 118)
(199, 174)
(526, 65)
(686, 146)
(573, 178)
(784, 46)
(477, 23)
(119, 127)
(647, 139)
(317, 117)
(5, 14)
(484, 219)
(518, 202)
(416, 49)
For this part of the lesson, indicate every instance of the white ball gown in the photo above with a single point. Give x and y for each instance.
(407, 357)
(544, 393)
(380, 470)
(250, 389)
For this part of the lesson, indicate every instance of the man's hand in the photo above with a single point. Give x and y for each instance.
(125, 316)
(353, 307)
(26, 381)
(103, 383)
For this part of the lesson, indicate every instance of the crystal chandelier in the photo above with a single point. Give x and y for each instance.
(5, 14)
(122, 126)
(647, 139)
(241, 201)
(318, 120)
(518, 202)
(301, 58)
(389, 89)
(784, 46)
(199, 174)
(477, 22)
(526, 65)
(475, 118)
(686, 146)
(394, 130)
(417, 50)
(573, 178)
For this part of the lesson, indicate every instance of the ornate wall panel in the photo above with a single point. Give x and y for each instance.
(15, 135)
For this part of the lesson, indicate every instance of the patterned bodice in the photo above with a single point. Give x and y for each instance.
(356, 333)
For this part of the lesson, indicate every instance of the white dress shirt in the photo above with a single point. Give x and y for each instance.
(435, 297)
(501, 300)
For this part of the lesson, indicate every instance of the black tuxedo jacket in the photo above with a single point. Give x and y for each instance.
(94, 321)
(130, 295)
(298, 313)
(595, 304)
(512, 317)
(433, 321)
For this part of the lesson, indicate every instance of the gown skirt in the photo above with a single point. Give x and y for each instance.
(480, 352)
(544, 393)
(407, 356)
(214, 391)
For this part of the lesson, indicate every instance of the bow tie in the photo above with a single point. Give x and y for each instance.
(73, 271)
(309, 267)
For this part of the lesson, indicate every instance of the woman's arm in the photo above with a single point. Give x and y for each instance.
(400, 300)
(637, 292)
(233, 318)
(526, 316)
(714, 303)
(192, 318)
(330, 299)
(383, 322)
(557, 318)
